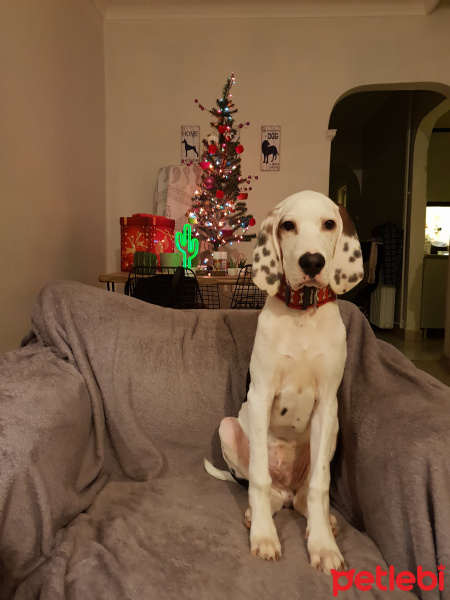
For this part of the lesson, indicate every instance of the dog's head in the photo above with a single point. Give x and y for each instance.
(312, 241)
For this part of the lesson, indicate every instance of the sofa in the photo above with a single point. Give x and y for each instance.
(106, 415)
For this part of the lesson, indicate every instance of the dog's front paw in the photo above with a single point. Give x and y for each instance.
(325, 555)
(264, 542)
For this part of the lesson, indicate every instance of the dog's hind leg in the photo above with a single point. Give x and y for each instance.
(235, 448)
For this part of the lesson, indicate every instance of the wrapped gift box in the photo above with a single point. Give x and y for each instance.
(145, 233)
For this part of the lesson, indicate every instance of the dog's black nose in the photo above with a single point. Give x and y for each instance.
(311, 263)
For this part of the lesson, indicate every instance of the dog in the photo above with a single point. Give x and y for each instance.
(284, 438)
(267, 150)
(188, 147)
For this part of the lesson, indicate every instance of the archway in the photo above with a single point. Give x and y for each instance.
(424, 103)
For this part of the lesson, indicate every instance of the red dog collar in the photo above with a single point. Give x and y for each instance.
(304, 297)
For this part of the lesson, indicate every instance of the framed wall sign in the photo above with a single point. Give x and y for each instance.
(190, 143)
(270, 147)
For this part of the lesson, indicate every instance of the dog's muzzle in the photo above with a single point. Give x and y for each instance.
(311, 264)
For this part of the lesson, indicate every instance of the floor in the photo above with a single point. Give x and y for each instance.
(425, 354)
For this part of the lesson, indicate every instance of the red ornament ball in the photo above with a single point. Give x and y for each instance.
(222, 128)
(240, 149)
(220, 194)
(196, 100)
(252, 222)
(212, 149)
(209, 182)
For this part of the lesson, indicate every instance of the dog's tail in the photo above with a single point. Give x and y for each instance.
(222, 475)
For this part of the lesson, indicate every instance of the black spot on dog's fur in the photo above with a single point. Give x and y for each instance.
(357, 253)
(265, 269)
(273, 263)
(256, 257)
(337, 276)
(283, 411)
(266, 252)
(262, 239)
(273, 278)
(345, 248)
(353, 278)
(352, 259)
(254, 272)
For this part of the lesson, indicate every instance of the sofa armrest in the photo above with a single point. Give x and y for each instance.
(391, 470)
(45, 438)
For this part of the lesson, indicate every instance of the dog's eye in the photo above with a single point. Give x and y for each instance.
(288, 225)
(330, 225)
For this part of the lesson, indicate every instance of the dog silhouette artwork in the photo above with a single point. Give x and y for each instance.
(268, 150)
(188, 147)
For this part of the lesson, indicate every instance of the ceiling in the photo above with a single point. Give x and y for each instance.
(153, 9)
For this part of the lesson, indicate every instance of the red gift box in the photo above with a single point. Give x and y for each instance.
(146, 233)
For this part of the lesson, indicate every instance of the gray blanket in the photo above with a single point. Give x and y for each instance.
(105, 419)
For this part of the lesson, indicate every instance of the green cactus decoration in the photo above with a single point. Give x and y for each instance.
(187, 245)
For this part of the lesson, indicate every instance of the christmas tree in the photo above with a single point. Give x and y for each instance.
(219, 206)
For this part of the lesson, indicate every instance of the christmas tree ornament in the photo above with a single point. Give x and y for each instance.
(212, 149)
(220, 194)
(240, 149)
(209, 182)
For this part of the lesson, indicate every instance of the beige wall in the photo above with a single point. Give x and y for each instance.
(289, 72)
(52, 167)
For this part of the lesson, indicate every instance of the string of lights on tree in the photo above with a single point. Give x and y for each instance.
(219, 206)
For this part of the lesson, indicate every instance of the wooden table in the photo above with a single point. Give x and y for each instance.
(122, 277)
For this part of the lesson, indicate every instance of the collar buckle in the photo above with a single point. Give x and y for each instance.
(309, 297)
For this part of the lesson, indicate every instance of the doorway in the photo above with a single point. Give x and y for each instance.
(379, 156)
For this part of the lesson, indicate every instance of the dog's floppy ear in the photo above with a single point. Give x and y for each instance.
(347, 266)
(267, 270)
